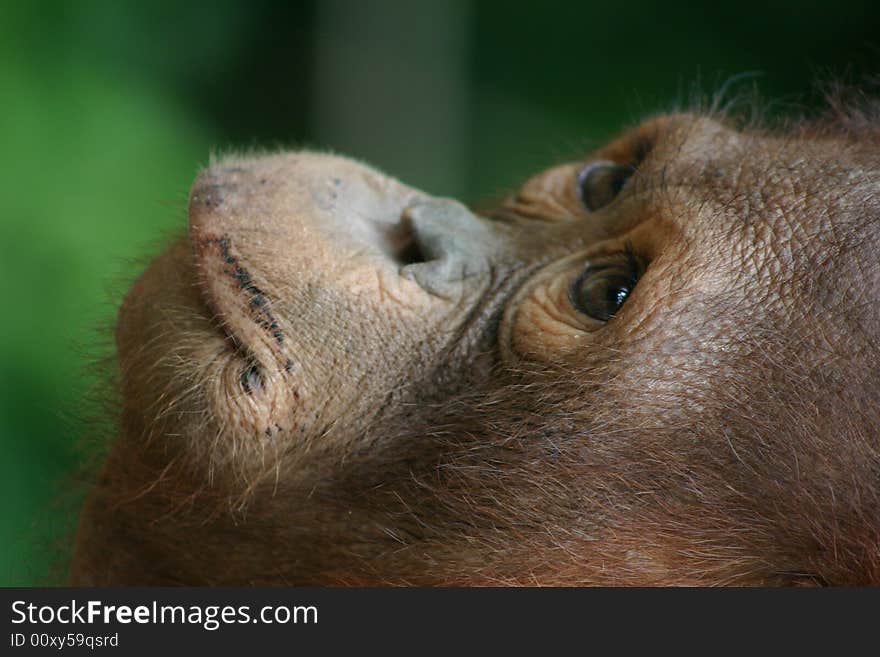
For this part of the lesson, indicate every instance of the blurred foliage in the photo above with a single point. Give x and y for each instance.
(109, 108)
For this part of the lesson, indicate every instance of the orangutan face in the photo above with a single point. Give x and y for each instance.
(655, 365)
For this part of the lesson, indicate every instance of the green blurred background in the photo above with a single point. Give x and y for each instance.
(108, 109)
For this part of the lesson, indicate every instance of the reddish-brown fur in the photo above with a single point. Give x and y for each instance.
(724, 429)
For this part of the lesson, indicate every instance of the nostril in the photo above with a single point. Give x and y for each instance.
(398, 242)
(449, 245)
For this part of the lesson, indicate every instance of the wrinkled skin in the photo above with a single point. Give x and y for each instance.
(337, 379)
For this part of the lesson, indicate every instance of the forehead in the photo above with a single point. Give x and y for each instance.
(783, 181)
(792, 212)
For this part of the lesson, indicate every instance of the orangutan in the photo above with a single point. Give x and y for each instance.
(656, 365)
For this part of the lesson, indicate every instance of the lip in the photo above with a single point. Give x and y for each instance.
(218, 262)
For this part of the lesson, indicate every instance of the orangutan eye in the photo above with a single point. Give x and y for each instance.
(601, 289)
(599, 183)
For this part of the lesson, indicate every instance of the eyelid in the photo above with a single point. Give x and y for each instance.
(629, 153)
(598, 184)
(625, 253)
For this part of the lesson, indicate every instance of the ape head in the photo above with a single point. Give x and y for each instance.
(656, 365)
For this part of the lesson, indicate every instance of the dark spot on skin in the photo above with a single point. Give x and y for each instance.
(243, 278)
(336, 183)
(288, 366)
(276, 332)
(210, 195)
(296, 395)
